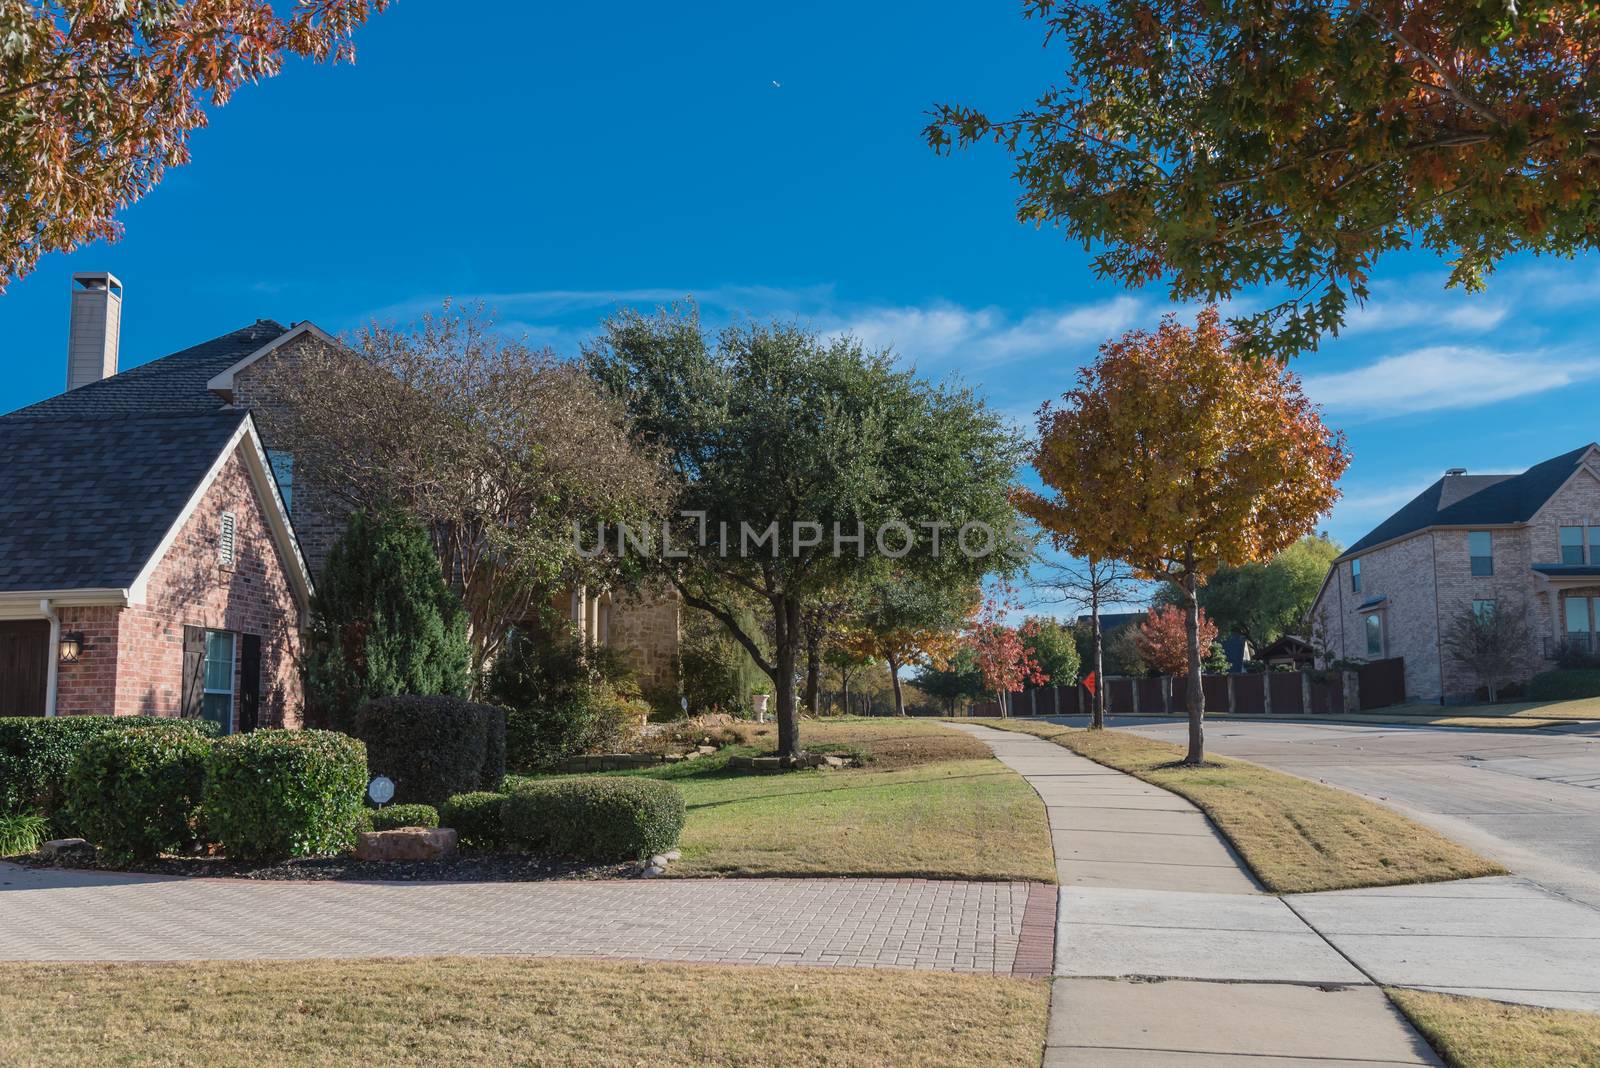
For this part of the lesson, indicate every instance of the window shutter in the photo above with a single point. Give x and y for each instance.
(226, 540)
(194, 671)
(249, 682)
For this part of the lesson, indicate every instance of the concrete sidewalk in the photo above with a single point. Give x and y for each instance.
(1167, 951)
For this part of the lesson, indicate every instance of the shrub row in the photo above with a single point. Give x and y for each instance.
(262, 796)
(433, 747)
(596, 818)
(36, 753)
(396, 816)
(476, 818)
(1565, 684)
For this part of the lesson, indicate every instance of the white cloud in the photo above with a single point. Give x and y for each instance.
(1445, 376)
(939, 332)
(1472, 315)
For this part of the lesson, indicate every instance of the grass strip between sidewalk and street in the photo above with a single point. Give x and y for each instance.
(1478, 1033)
(1296, 835)
(928, 802)
(455, 1012)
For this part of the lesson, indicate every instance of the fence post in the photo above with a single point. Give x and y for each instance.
(1232, 706)
(1266, 693)
(1033, 701)
(1352, 692)
(1305, 693)
(1055, 699)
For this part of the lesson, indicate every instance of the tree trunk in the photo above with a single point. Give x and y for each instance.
(1098, 698)
(894, 679)
(844, 692)
(786, 631)
(813, 668)
(1195, 699)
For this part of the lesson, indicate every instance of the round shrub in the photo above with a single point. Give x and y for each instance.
(279, 793)
(134, 793)
(387, 819)
(1565, 685)
(433, 747)
(594, 818)
(36, 754)
(476, 818)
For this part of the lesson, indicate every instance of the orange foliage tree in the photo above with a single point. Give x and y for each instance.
(904, 621)
(97, 100)
(1164, 638)
(1178, 454)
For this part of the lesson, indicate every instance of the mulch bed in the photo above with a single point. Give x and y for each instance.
(464, 868)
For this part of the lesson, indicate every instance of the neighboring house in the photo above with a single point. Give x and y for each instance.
(87, 476)
(1471, 542)
(1290, 652)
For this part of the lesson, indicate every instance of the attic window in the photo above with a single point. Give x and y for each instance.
(227, 540)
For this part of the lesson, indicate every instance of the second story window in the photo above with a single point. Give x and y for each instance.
(1572, 545)
(1374, 628)
(1480, 546)
(1355, 575)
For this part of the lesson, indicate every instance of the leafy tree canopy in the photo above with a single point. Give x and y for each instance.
(1050, 643)
(1264, 601)
(97, 100)
(1223, 146)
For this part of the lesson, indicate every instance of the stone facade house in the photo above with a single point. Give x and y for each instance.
(116, 500)
(1471, 543)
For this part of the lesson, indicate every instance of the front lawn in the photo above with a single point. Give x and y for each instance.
(458, 1012)
(1476, 1033)
(928, 802)
(1297, 836)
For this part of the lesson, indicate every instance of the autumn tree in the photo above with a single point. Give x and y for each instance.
(1491, 641)
(498, 450)
(904, 620)
(1228, 146)
(1005, 661)
(804, 464)
(1088, 585)
(1164, 638)
(1180, 454)
(97, 100)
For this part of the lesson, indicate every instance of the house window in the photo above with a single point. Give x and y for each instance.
(1355, 575)
(1572, 545)
(283, 472)
(1483, 609)
(228, 540)
(1374, 626)
(1480, 546)
(216, 702)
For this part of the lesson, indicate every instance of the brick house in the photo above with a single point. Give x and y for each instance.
(172, 444)
(1471, 542)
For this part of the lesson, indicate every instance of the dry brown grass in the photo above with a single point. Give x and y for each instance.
(884, 744)
(1297, 836)
(1475, 1033)
(459, 1012)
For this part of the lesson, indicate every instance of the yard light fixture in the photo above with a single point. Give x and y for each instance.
(71, 648)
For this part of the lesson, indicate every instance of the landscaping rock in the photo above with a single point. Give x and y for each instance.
(672, 854)
(68, 848)
(652, 872)
(407, 843)
(657, 861)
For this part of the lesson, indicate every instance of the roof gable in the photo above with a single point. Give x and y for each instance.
(222, 381)
(176, 384)
(1471, 500)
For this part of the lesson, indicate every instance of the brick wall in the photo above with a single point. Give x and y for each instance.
(1512, 584)
(133, 659)
(1404, 573)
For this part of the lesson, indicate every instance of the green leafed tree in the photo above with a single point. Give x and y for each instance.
(1223, 147)
(383, 621)
(786, 447)
(1264, 601)
(1054, 649)
(953, 683)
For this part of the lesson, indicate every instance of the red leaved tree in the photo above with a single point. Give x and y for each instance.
(1164, 638)
(1004, 657)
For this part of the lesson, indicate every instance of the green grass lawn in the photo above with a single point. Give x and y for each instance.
(457, 1012)
(1297, 836)
(1475, 1033)
(930, 802)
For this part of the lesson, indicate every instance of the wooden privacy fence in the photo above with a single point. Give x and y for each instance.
(1276, 693)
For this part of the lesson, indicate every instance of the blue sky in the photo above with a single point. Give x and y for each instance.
(579, 157)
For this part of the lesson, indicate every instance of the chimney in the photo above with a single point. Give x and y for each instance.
(96, 328)
(1456, 471)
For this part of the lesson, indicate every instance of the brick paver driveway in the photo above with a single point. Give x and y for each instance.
(876, 923)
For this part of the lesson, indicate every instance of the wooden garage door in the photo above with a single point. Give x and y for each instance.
(24, 660)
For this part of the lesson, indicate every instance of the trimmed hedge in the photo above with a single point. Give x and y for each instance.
(1565, 684)
(394, 816)
(477, 818)
(594, 818)
(273, 794)
(36, 754)
(136, 793)
(433, 747)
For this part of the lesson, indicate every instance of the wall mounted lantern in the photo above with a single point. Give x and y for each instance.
(71, 648)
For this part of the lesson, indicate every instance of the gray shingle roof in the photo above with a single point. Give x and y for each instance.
(1466, 500)
(171, 385)
(84, 502)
